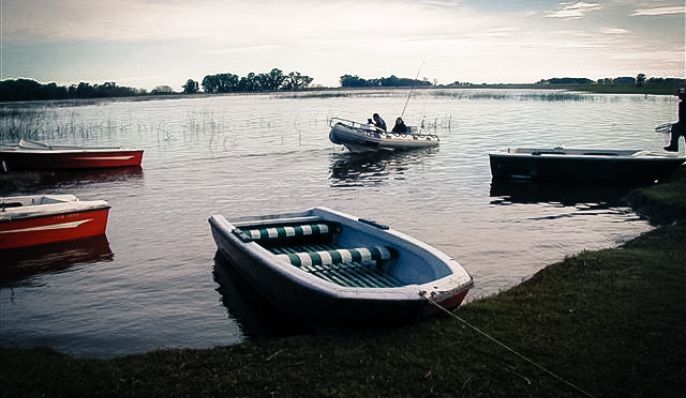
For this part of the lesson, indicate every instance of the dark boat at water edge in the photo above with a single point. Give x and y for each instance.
(583, 164)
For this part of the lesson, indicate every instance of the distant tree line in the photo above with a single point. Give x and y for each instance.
(624, 84)
(391, 81)
(28, 89)
(274, 80)
(641, 80)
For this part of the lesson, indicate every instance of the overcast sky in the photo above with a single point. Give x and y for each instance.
(144, 43)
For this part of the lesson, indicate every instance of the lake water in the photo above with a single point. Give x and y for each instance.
(152, 282)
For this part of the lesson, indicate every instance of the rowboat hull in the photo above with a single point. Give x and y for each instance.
(315, 301)
(70, 160)
(41, 224)
(365, 139)
(583, 165)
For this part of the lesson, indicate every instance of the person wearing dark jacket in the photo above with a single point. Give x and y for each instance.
(379, 122)
(399, 127)
(679, 128)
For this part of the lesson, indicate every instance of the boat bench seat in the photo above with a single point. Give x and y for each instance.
(350, 267)
(336, 256)
(286, 232)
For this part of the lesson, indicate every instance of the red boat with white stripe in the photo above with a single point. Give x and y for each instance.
(37, 155)
(41, 219)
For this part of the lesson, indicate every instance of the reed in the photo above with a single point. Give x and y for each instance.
(17, 123)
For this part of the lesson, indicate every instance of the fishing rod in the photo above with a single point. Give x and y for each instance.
(409, 95)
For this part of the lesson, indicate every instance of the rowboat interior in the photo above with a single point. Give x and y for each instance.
(22, 201)
(40, 146)
(339, 254)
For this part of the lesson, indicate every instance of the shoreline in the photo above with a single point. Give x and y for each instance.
(333, 91)
(610, 321)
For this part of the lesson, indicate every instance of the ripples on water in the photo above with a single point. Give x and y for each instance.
(155, 282)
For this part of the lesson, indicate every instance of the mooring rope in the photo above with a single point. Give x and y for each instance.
(503, 345)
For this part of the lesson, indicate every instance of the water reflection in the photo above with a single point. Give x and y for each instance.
(23, 263)
(375, 168)
(506, 191)
(256, 317)
(32, 181)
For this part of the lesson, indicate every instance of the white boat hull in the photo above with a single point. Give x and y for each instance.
(314, 298)
(366, 138)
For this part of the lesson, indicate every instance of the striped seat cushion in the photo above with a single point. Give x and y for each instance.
(289, 231)
(336, 256)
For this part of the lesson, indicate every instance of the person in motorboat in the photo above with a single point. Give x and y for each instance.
(400, 127)
(379, 122)
(678, 129)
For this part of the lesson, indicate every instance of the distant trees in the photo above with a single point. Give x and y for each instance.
(565, 80)
(391, 81)
(294, 81)
(274, 80)
(623, 84)
(640, 79)
(162, 90)
(29, 89)
(191, 87)
(250, 83)
(220, 83)
(458, 83)
(624, 81)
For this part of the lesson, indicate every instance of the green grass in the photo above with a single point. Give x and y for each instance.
(663, 203)
(612, 322)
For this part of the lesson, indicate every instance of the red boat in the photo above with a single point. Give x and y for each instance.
(37, 220)
(37, 155)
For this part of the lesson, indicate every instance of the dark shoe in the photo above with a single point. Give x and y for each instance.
(670, 149)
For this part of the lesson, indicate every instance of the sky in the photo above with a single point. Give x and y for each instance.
(145, 43)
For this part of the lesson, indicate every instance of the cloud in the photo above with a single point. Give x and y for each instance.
(134, 41)
(614, 31)
(574, 10)
(659, 11)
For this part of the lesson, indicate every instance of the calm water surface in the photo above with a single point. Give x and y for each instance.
(154, 282)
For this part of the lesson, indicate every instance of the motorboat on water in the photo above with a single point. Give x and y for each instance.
(584, 164)
(41, 219)
(326, 267)
(37, 155)
(365, 137)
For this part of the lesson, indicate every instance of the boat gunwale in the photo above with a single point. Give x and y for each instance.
(10, 149)
(651, 156)
(11, 214)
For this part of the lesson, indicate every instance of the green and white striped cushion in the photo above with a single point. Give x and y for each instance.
(337, 256)
(288, 231)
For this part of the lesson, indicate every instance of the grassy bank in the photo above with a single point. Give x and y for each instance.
(663, 203)
(628, 89)
(612, 321)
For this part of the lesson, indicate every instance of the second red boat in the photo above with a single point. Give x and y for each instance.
(36, 155)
